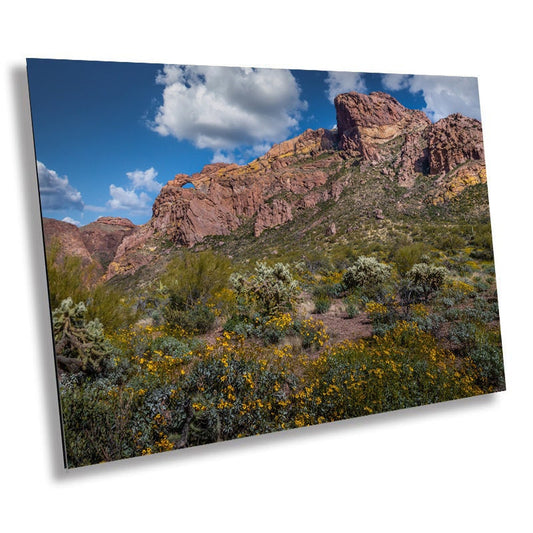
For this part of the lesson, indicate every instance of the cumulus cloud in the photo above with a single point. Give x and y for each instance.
(344, 82)
(72, 221)
(145, 179)
(127, 199)
(443, 95)
(395, 82)
(222, 157)
(56, 192)
(134, 198)
(225, 108)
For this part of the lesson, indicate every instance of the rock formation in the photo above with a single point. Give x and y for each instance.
(365, 122)
(452, 141)
(102, 237)
(68, 239)
(373, 131)
(96, 243)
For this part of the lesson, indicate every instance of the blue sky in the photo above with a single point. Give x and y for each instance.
(109, 135)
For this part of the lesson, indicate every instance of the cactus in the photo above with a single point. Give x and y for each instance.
(80, 345)
(422, 281)
(270, 290)
(367, 274)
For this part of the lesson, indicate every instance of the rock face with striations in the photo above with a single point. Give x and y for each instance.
(224, 195)
(366, 123)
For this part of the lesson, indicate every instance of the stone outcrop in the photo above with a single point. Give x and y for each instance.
(224, 195)
(365, 122)
(450, 185)
(271, 215)
(452, 141)
(368, 122)
(103, 237)
(68, 239)
(309, 142)
(96, 243)
(413, 159)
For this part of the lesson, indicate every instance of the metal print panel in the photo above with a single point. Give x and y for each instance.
(237, 251)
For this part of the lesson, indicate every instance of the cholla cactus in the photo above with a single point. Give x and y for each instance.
(270, 290)
(80, 346)
(367, 273)
(424, 280)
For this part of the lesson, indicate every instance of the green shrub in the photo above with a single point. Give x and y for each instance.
(68, 277)
(196, 319)
(322, 304)
(191, 282)
(403, 368)
(322, 298)
(488, 359)
(238, 390)
(103, 421)
(407, 256)
(450, 242)
(111, 306)
(351, 303)
(483, 348)
(196, 277)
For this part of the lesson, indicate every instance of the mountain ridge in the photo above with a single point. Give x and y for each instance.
(375, 135)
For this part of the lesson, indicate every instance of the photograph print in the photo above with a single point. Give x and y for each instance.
(235, 251)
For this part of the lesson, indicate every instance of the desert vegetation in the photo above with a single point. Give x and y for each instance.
(216, 349)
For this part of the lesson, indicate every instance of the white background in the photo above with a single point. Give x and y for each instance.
(463, 466)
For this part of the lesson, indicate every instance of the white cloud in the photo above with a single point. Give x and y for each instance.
(224, 108)
(56, 192)
(395, 82)
(443, 95)
(128, 199)
(344, 82)
(222, 157)
(72, 221)
(145, 179)
(132, 199)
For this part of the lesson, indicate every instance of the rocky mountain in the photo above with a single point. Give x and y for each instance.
(68, 238)
(96, 243)
(376, 136)
(103, 237)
